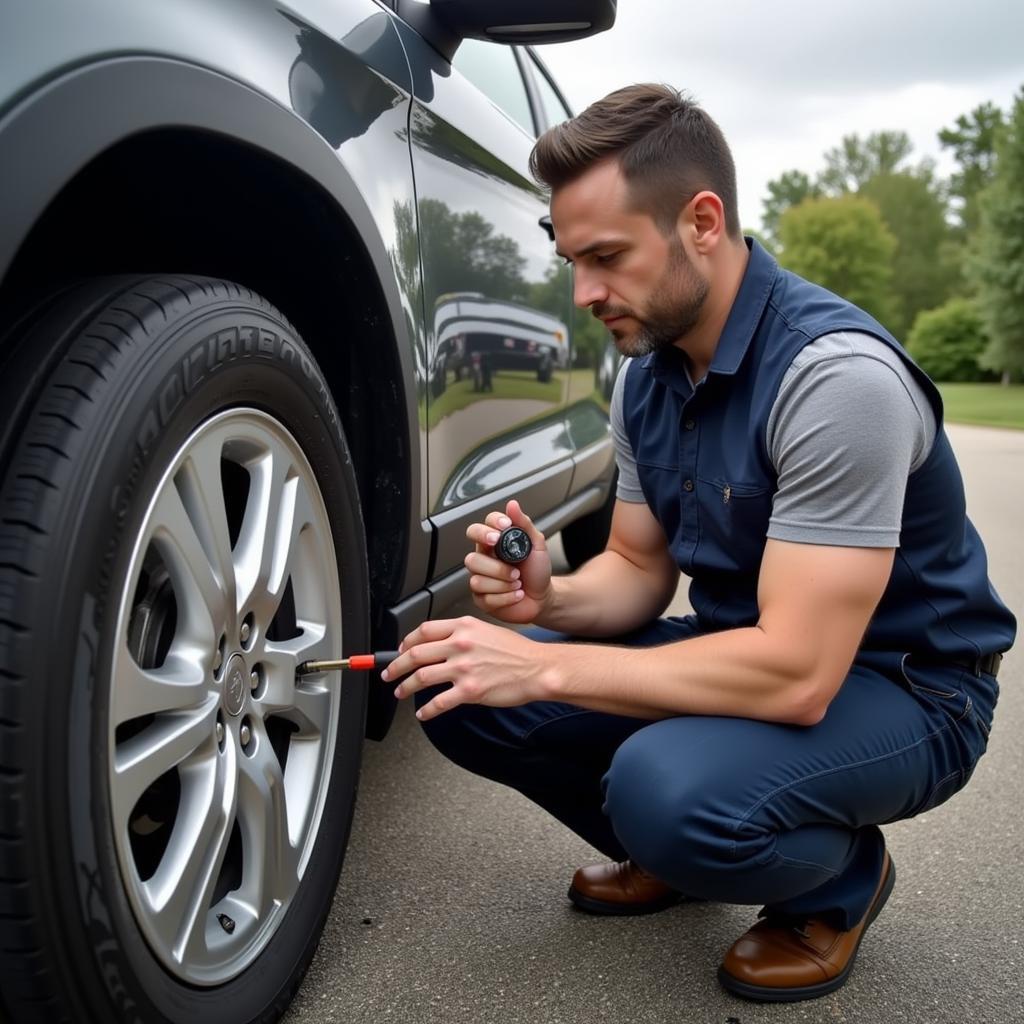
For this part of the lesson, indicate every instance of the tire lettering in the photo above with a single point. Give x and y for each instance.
(189, 364)
(205, 357)
(289, 353)
(223, 346)
(248, 340)
(171, 396)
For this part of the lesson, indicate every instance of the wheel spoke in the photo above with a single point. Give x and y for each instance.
(202, 493)
(311, 709)
(174, 686)
(271, 860)
(163, 745)
(312, 644)
(279, 508)
(201, 600)
(280, 658)
(180, 892)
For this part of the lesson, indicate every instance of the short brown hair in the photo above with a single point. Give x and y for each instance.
(669, 149)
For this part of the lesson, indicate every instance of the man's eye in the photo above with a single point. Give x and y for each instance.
(608, 257)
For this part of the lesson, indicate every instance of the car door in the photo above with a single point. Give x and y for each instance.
(496, 300)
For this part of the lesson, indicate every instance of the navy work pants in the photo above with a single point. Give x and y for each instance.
(733, 809)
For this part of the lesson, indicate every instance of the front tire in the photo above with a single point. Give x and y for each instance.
(179, 528)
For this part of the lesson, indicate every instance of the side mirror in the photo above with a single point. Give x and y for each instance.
(526, 22)
(445, 23)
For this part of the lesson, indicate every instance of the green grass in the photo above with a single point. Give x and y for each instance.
(505, 383)
(988, 405)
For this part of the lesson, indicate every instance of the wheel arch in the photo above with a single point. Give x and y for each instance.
(195, 152)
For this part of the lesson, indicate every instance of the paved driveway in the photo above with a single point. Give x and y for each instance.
(452, 906)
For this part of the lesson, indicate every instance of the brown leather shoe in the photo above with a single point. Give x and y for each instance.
(781, 962)
(621, 888)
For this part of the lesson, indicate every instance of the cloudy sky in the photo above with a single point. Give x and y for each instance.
(786, 79)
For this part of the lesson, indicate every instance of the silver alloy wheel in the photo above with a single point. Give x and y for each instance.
(213, 835)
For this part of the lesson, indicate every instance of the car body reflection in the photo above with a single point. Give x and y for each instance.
(476, 337)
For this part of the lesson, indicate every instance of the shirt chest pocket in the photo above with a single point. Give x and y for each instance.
(733, 523)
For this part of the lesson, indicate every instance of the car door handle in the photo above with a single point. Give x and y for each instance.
(545, 223)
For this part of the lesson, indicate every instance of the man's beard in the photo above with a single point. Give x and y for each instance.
(676, 302)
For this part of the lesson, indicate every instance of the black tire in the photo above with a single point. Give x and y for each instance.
(137, 365)
(587, 536)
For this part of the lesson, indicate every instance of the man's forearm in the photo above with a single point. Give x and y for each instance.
(608, 596)
(739, 672)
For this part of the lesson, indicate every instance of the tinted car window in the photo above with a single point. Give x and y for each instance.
(493, 70)
(554, 109)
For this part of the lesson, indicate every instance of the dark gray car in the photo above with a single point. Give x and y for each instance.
(234, 438)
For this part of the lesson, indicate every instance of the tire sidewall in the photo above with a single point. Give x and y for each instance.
(229, 354)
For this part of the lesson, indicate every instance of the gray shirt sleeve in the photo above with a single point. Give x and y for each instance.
(849, 424)
(628, 488)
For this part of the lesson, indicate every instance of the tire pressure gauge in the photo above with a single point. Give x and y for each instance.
(513, 545)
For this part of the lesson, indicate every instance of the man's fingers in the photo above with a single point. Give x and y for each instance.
(481, 534)
(416, 653)
(441, 703)
(429, 675)
(489, 585)
(431, 630)
(492, 602)
(484, 565)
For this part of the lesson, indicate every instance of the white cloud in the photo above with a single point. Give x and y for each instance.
(787, 80)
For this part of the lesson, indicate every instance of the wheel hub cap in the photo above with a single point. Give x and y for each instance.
(234, 685)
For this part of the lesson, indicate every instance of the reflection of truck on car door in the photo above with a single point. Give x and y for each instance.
(478, 336)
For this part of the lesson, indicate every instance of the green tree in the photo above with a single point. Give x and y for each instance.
(973, 142)
(461, 252)
(791, 188)
(923, 274)
(855, 161)
(843, 244)
(997, 260)
(947, 342)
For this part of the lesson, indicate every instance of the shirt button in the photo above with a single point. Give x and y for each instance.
(689, 424)
(687, 485)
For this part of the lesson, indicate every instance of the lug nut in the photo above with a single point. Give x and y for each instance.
(219, 731)
(245, 735)
(254, 679)
(218, 659)
(245, 632)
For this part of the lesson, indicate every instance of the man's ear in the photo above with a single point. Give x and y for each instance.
(703, 218)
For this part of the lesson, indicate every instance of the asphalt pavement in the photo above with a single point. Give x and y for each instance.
(452, 909)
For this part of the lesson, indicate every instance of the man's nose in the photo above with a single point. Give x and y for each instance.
(587, 289)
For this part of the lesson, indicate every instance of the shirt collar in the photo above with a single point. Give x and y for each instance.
(745, 315)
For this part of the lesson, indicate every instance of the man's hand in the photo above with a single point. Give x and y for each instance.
(512, 593)
(486, 664)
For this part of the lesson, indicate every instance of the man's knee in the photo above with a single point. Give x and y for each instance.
(674, 821)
